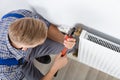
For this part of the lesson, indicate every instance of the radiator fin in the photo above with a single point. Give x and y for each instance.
(104, 43)
(99, 53)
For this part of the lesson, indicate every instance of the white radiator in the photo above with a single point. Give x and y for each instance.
(99, 53)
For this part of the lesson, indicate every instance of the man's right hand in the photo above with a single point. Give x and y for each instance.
(59, 62)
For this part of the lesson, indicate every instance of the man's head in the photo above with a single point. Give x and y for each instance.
(27, 32)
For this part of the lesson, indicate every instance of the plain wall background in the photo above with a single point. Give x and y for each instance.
(102, 15)
(9, 5)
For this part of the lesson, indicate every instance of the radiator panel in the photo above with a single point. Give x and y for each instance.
(100, 57)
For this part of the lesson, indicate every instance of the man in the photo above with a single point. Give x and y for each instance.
(24, 36)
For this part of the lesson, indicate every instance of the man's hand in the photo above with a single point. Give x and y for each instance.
(56, 35)
(59, 62)
(69, 43)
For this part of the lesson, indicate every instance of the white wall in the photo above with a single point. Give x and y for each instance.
(9, 5)
(103, 15)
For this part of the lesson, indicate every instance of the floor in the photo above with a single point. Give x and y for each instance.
(75, 70)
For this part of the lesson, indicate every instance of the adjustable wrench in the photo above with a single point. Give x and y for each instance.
(64, 51)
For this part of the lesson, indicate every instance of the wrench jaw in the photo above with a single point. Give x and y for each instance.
(75, 33)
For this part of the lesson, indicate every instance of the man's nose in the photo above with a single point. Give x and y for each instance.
(24, 49)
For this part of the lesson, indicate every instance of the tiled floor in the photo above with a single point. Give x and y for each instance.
(75, 71)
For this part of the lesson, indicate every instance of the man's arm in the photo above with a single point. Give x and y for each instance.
(55, 34)
(59, 62)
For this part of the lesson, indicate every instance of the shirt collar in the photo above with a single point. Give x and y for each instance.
(17, 53)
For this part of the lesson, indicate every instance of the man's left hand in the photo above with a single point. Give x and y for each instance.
(69, 43)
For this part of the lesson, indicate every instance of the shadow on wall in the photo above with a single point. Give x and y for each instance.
(96, 32)
(8, 5)
(42, 11)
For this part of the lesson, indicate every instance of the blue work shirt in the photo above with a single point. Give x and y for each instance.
(7, 51)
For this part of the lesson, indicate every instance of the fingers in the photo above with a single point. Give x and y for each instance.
(71, 40)
(60, 55)
(65, 56)
(60, 62)
(69, 43)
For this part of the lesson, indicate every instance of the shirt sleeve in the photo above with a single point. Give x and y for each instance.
(26, 13)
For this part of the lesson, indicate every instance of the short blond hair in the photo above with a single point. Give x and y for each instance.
(28, 31)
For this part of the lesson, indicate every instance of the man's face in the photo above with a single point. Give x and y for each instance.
(24, 47)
